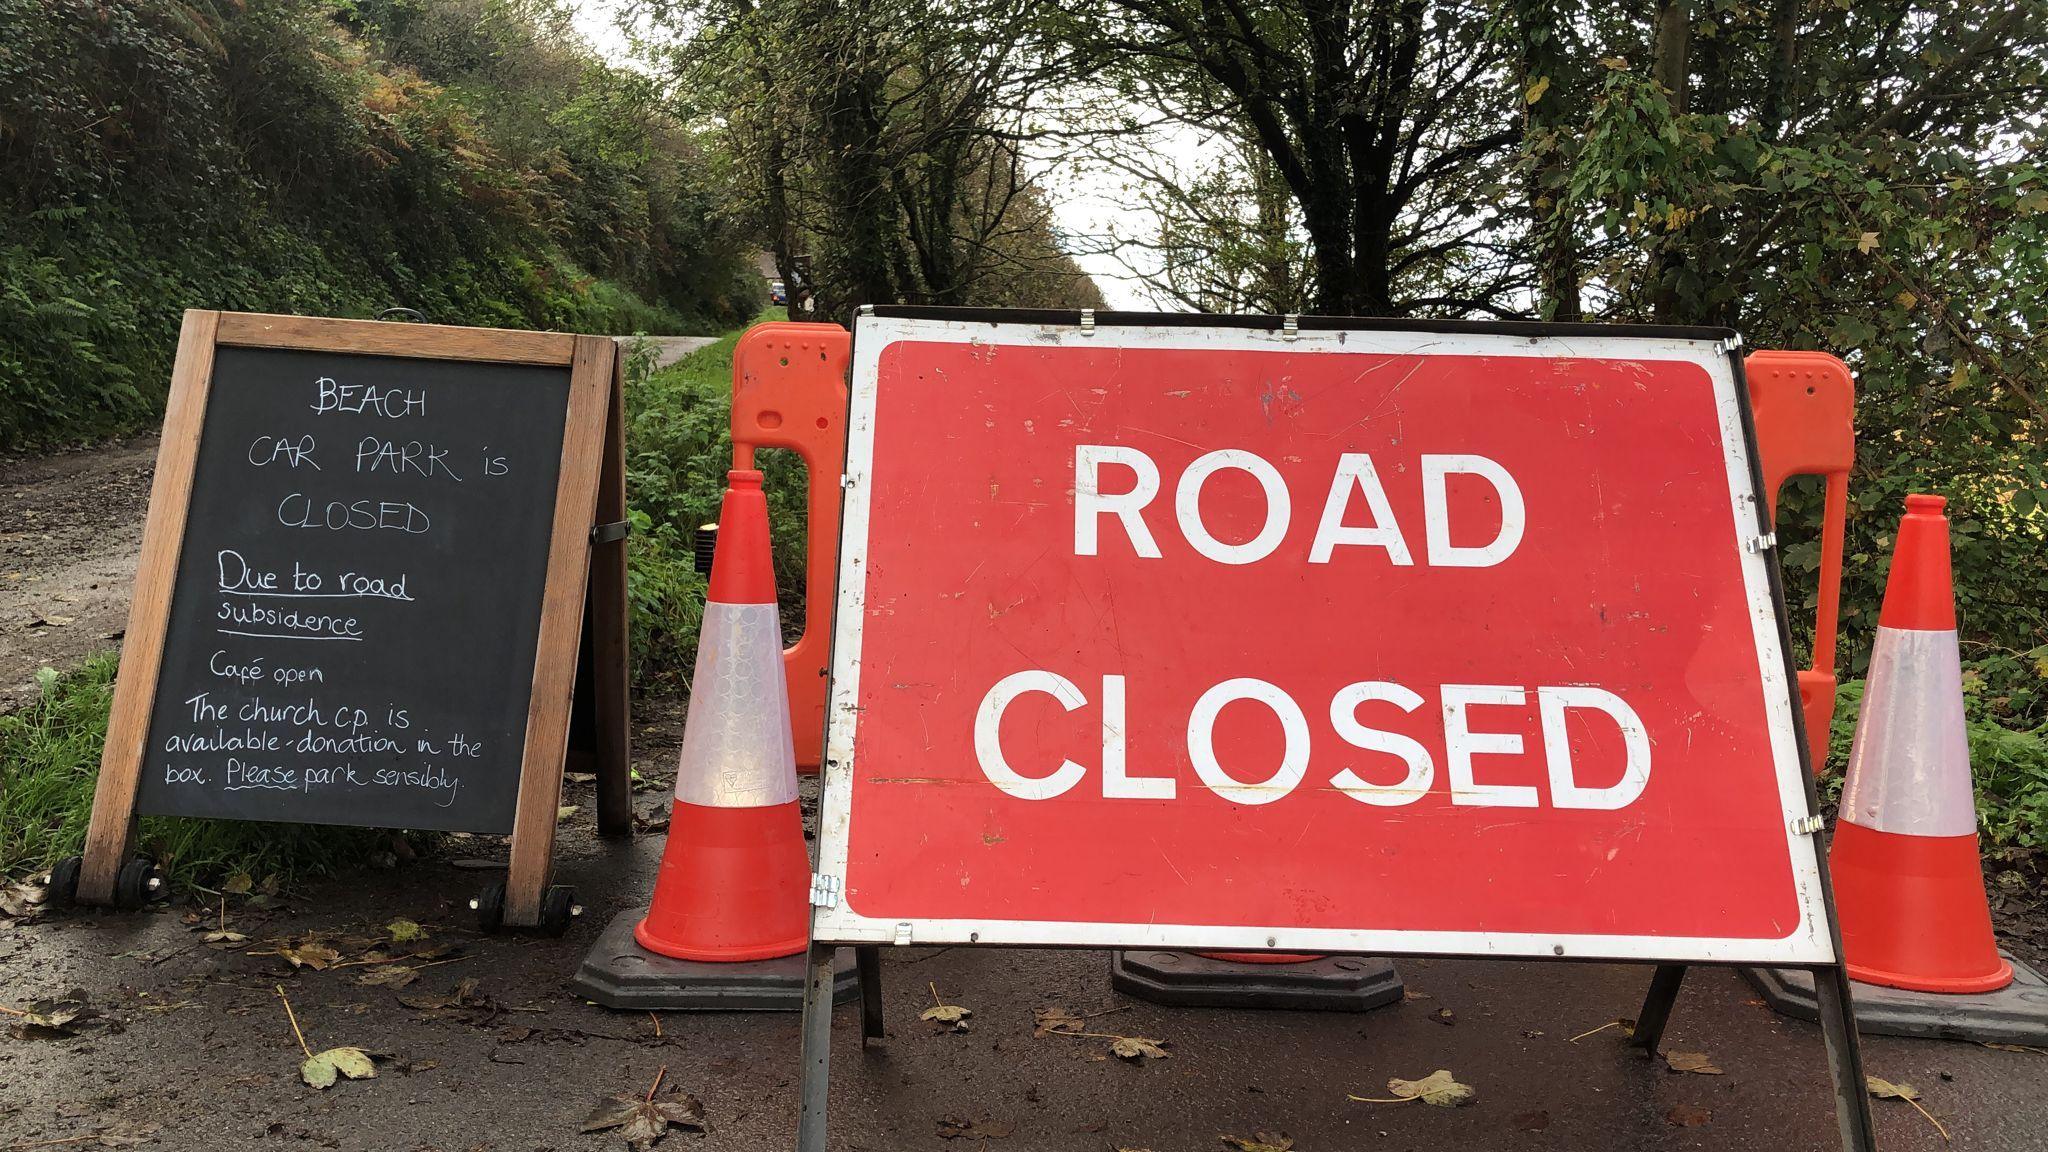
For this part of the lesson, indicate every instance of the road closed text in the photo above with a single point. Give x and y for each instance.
(1354, 478)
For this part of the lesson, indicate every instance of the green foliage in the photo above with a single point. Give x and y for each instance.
(678, 450)
(1881, 200)
(265, 155)
(49, 761)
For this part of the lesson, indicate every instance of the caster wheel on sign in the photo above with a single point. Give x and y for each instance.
(63, 889)
(489, 907)
(138, 883)
(557, 909)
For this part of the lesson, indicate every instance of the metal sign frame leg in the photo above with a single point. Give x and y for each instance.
(868, 960)
(815, 1087)
(1656, 1010)
(1845, 1057)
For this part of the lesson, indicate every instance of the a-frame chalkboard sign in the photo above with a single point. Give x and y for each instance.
(382, 584)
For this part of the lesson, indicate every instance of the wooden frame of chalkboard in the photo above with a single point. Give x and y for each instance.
(579, 648)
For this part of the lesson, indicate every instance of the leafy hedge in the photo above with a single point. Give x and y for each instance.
(463, 158)
(678, 449)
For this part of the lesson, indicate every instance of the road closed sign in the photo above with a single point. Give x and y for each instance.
(1459, 640)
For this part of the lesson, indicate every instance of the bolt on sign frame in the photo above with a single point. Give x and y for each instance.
(584, 590)
(1100, 573)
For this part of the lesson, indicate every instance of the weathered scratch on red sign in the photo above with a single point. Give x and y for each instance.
(1339, 640)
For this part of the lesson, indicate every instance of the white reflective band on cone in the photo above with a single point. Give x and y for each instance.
(736, 743)
(1909, 770)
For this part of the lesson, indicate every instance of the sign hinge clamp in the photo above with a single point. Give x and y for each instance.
(1087, 321)
(824, 891)
(902, 933)
(1728, 346)
(610, 533)
(1808, 825)
(1290, 326)
(1762, 543)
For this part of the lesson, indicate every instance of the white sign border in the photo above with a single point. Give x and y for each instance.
(834, 920)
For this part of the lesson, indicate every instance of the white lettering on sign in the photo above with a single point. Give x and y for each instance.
(1202, 741)
(1354, 472)
(1357, 469)
(988, 746)
(1187, 507)
(1436, 511)
(368, 399)
(1565, 791)
(1117, 782)
(1461, 744)
(1344, 719)
(1090, 502)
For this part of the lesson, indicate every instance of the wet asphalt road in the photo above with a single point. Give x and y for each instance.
(208, 1056)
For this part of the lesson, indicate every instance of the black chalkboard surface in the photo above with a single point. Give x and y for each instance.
(352, 628)
(384, 567)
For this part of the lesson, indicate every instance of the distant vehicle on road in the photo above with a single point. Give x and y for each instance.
(777, 294)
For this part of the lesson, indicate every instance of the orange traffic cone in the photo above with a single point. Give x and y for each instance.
(735, 878)
(1909, 888)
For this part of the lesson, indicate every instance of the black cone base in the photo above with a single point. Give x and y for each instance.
(2015, 1014)
(1186, 979)
(618, 973)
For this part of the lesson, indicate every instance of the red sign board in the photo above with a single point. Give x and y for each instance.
(1364, 640)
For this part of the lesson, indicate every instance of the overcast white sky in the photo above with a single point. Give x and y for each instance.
(1082, 206)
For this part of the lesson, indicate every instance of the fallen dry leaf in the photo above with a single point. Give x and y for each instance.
(949, 1017)
(955, 1128)
(1687, 1116)
(1055, 1019)
(57, 1018)
(388, 976)
(642, 1120)
(311, 954)
(1261, 1142)
(1444, 1016)
(1696, 1062)
(404, 932)
(1137, 1048)
(322, 1069)
(463, 998)
(1886, 1090)
(1438, 1089)
(1995, 1045)
(22, 902)
(238, 885)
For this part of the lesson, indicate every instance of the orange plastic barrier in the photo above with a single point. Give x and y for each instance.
(789, 391)
(1805, 405)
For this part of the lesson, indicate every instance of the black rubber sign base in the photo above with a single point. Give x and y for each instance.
(2015, 1014)
(1191, 980)
(618, 973)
